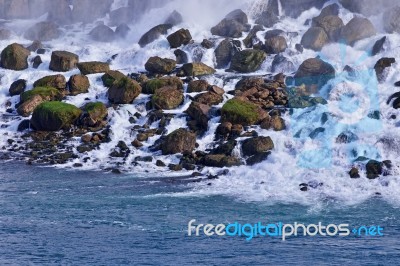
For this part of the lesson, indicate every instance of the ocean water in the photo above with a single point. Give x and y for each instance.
(55, 217)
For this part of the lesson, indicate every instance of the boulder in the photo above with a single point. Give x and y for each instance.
(275, 122)
(53, 116)
(357, 29)
(247, 61)
(78, 84)
(314, 73)
(379, 46)
(224, 52)
(197, 86)
(5, 34)
(63, 61)
(268, 19)
(197, 69)
(54, 81)
(154, 33)
(122, 31)
(221, 160)
(160, 65)
(167, 98)
(381, 68)
(46, 93)
(330, 10)
(374, 169)
(102, 33)
(174, 18)
(252, 37)
(209, 98)
(240, 111)
(110, 76)
(207, 44)
(275, 45)
(281, 64)
(26, 108)
(93, 115)
(200, 113)
(179, 141)
(315, 38)
(43, 31)
(238, 15)
(181, 57)
(124, 91)
(17, 87)
(152, 85)
(14, 57)
(256, 145)
(36, 61)
(332, 26)
(232, 25)
(178, 38)
(93, 67)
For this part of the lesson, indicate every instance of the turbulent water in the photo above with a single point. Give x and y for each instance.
(294, 160)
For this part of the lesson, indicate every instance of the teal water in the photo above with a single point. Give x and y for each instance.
(52, 216)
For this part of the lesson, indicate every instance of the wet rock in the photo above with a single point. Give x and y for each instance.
(27, 107)
(374, 169)
(207, 44)
(174, 18)
(93, 67)
(78, 84)
(281, 64)
(36, 45)
(221, 160)
(152, 85)
(330, 10)
(137, 144)
(275, 45)
(154, 33)
(225, 148)
(124, 91)
(252, 38)
(17, 87)
(179, 141)
(197, 86)
(63, 61)
(256, 145)
(275, 122)
(43, 31)
(332, 26)
(102, 33)
(200, 113)
(122, 31)
(179, 38)
(53, 116)
(160, 65)
(181, 57)
(36, 61)
(197, 69)
(110, 76)
(47, 93)
(167, 98)
(224, 52)
(24, 125)
(381, 68)
(94, 115)
(346, 137)
(315, 38)
(175, 167)
(54, 81)
(354, 173)
(268, 19)
(160, 163)
(247, 61)
(209, 98)
(239, 111)
(14, 57)
(378, 46)
(232, 25)
(357, 29)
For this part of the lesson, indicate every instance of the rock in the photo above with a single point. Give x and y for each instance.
(256, 145)
(178, 38)
(275, 122)
(167, 98)
(374, 169)
(281, 64)
(207, 44)
(5, 34)
(160, 163)
(378, 46)
(14, 57)
(197, 69)
(232, 25)
(55, 81)
(224, 52)
(43, 31)
(85, 11)
(330, 10)
(181, 57)
(268, 19)
(224, 129)
(160, 65)
(225, 148)
(46, 93)
(200, 113)
(209, 98)
(152, 85)
(314, 73)
(252, 38)
(122, 15)
(124, 91)
(78, 84)
(305, 101)
(36, 45)
(179, 141)
(94, 67)
(332, 26)
(273, 33)
(197, 86)
(238, 15)
(257, 158)
(275, 45)
(221, 160)
(357, 29)
(354, 173)
(154, 33)
(137, 144)
(24, 125)
(110, 76)
(36, 61)
(27, 107)
(346, 137)
(238, 111)
(216, 90)
(381, 68)
(102, 33)
(391, 22)
(174, 18)
(17, 87)
(315, 38)
(94, 115)
(122, 31)
(299, 47)
(247, 61)
(63, 61)
(53, 116)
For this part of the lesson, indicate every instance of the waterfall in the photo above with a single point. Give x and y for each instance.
(257, 7)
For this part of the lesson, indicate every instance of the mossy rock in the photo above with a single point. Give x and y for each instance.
(247, 61)
(110, 77)
(124, 91)
(241, 112)
(94, 67)
(152, 85)
(94, 114)
(197, 69)
(53, 116)
(55, 81)
(167, 98)
(47, 93)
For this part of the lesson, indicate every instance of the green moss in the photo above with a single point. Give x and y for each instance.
(240, 112)
(47, 93)
(110, 76)
(90, 107)
(152, 85)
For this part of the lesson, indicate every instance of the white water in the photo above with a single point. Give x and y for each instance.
(276, 179)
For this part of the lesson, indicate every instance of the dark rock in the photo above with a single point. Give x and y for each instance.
(160, 65)
(53, 116)
(221, 160)
(374, 169)
(354, 173)
(174, 18)
(281, 64)
(209, 98)
(224, 52)
(43, 31)
(207, 44)
(378, 46)
(257, 158)
(14, 57)
(238, 15)
(181, 57)
(225, 148)
(268, 19)
(17, 87)
(167, 98)
(252, 38)
(93, 67)
(63, 61)
(346, 137)
(275, 45)
(154, 33)
(179, 141)
(36, 61)
(24, 125)
(124, 91)
(381, 68)
(274, 33)
(178, 38)
(197, 86)
(160, 163)
(247, 61)
(78, 84)
(299, 47)
(257, 145)
(93, 115)
(275, 122)
(110, 77)
(200, 113)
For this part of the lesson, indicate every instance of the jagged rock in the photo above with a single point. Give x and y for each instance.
(209, 98)
(314, 73)
(197, 69)
(152, 85)
(354, 173)
(36, 61)
(247, 61)
(378, 46)
(181, 57)
(53, 116)
(93, 115)
(174, 18)
(200, 113)
(252, 38)
(78, 84)
(374, 169)
(224, 52)
(54, 81)
(94, 67)
(197, 86)
(357, 29)
(239, 111)
(232, 25)
(124, 91)
(153, 34)
(256, 145)
(63, 61)
(110, 76)
(5, 34)
(179, 141)
(275, 45)
(216, 90)
(381, 66)
(160, 65)
(257, 158)
(102, 33)
(178, 38)
(315, 38)
(17, 87)
(167, 98)
(221, 160)
(14, 57)
(43, 31)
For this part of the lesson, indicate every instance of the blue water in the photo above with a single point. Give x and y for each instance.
(57, 217)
